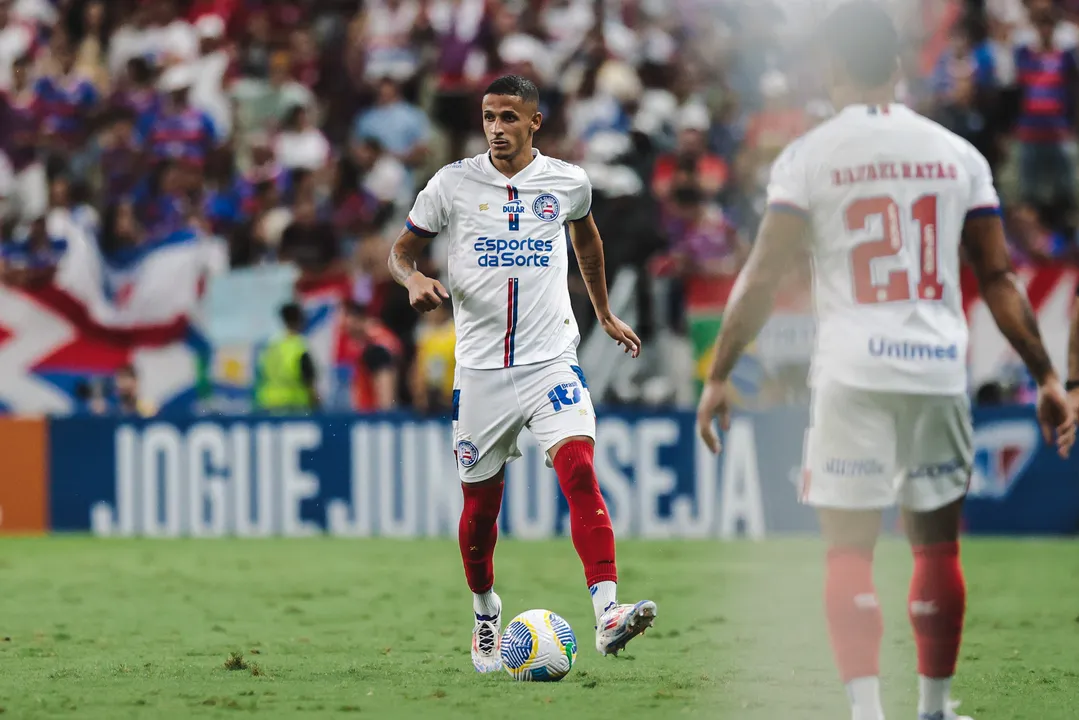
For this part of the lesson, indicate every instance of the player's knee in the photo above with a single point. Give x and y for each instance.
(573, 463)
(850, 529)
(482, 499)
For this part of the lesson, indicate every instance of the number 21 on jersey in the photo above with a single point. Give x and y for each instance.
(897, 286)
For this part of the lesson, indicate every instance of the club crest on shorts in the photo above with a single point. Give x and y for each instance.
(546, 207)
(467, 453)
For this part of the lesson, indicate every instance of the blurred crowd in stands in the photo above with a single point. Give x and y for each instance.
(300, 130)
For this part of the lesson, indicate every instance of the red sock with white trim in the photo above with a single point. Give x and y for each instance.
(590, 523)
(938, 601)
(856, 627)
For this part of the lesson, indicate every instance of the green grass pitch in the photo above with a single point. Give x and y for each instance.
(329, 628)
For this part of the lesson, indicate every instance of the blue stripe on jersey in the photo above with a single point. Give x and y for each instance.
(986, 211)
(788, 209)
(513, 327)
(417, 230)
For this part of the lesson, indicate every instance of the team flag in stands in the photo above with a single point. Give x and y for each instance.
(96, 314)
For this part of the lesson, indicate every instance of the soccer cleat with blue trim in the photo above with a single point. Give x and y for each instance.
(486, 641)
(621, 623)
(949, 714)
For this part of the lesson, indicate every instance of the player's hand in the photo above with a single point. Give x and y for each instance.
(424, 293)
(1056, 415)
(714, 405)
(622, 334)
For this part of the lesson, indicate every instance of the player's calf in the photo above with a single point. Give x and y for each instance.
(937, 605)
(593, 538)
(477, 535)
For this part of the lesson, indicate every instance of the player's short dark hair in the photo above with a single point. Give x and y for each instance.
(292, 315)
(862, 37)
(515, 86)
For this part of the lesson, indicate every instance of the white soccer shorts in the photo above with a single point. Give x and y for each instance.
(490, 408)
(868, 450)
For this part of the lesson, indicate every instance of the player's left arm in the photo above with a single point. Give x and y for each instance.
(588, 247)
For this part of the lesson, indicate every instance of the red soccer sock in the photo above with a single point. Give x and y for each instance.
(938, 601)
(478, 533)
(854, 618)
(590, 523)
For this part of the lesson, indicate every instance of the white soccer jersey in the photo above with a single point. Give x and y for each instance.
(508, 255)
(886, 192)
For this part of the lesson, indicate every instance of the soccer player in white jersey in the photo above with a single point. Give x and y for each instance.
(507, 213)
(883, 201)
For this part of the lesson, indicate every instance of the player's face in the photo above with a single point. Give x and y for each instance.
(509, 123)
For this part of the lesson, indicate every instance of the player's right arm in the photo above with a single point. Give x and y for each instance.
(428, 217)
(987, 253)
(424, 293)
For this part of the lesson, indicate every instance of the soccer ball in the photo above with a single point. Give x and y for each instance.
(538, 646)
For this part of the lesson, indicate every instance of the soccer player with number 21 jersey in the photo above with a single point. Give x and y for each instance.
(881, 201)
(506, 214)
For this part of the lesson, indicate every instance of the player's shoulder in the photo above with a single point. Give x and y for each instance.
(962, 149)
(459, 168)
(567, 172)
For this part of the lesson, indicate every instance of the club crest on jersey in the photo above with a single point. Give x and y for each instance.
(467, 453)
(546, 207)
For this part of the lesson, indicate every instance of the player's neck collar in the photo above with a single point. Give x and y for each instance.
(493, 170)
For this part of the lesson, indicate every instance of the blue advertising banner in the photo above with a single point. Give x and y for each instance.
(395, 476)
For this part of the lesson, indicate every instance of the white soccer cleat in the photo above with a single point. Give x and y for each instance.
(621, 624)
(949, 714)
(486, 641)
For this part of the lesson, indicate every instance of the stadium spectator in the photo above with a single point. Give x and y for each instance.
(262, 100)
(374, 354)
(1048, 80)
(127, 400)
(433, 370)
(710, 169)
(301, 145)
(211, 70)
(307, 241)
(20, 112)
(178, 131)
(286, 373)
(67, 104)
(400, 127)
(120, 153)
(386, 179)
(31, 257)
(965, 88)
(16, 41)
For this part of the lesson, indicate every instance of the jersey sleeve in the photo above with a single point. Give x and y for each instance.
(788, 187)
(431, 212)
(581, 199)
(983, 198)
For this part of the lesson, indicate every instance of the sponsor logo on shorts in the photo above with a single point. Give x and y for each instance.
(901, 350)
(546, 207)
(512, 252)
(849, 467)
(943, 469)
(564, 394)
(467, 453)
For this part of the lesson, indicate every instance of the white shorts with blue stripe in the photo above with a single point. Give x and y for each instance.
(491, 407)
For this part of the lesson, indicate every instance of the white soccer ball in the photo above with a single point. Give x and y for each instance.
(538, 646)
